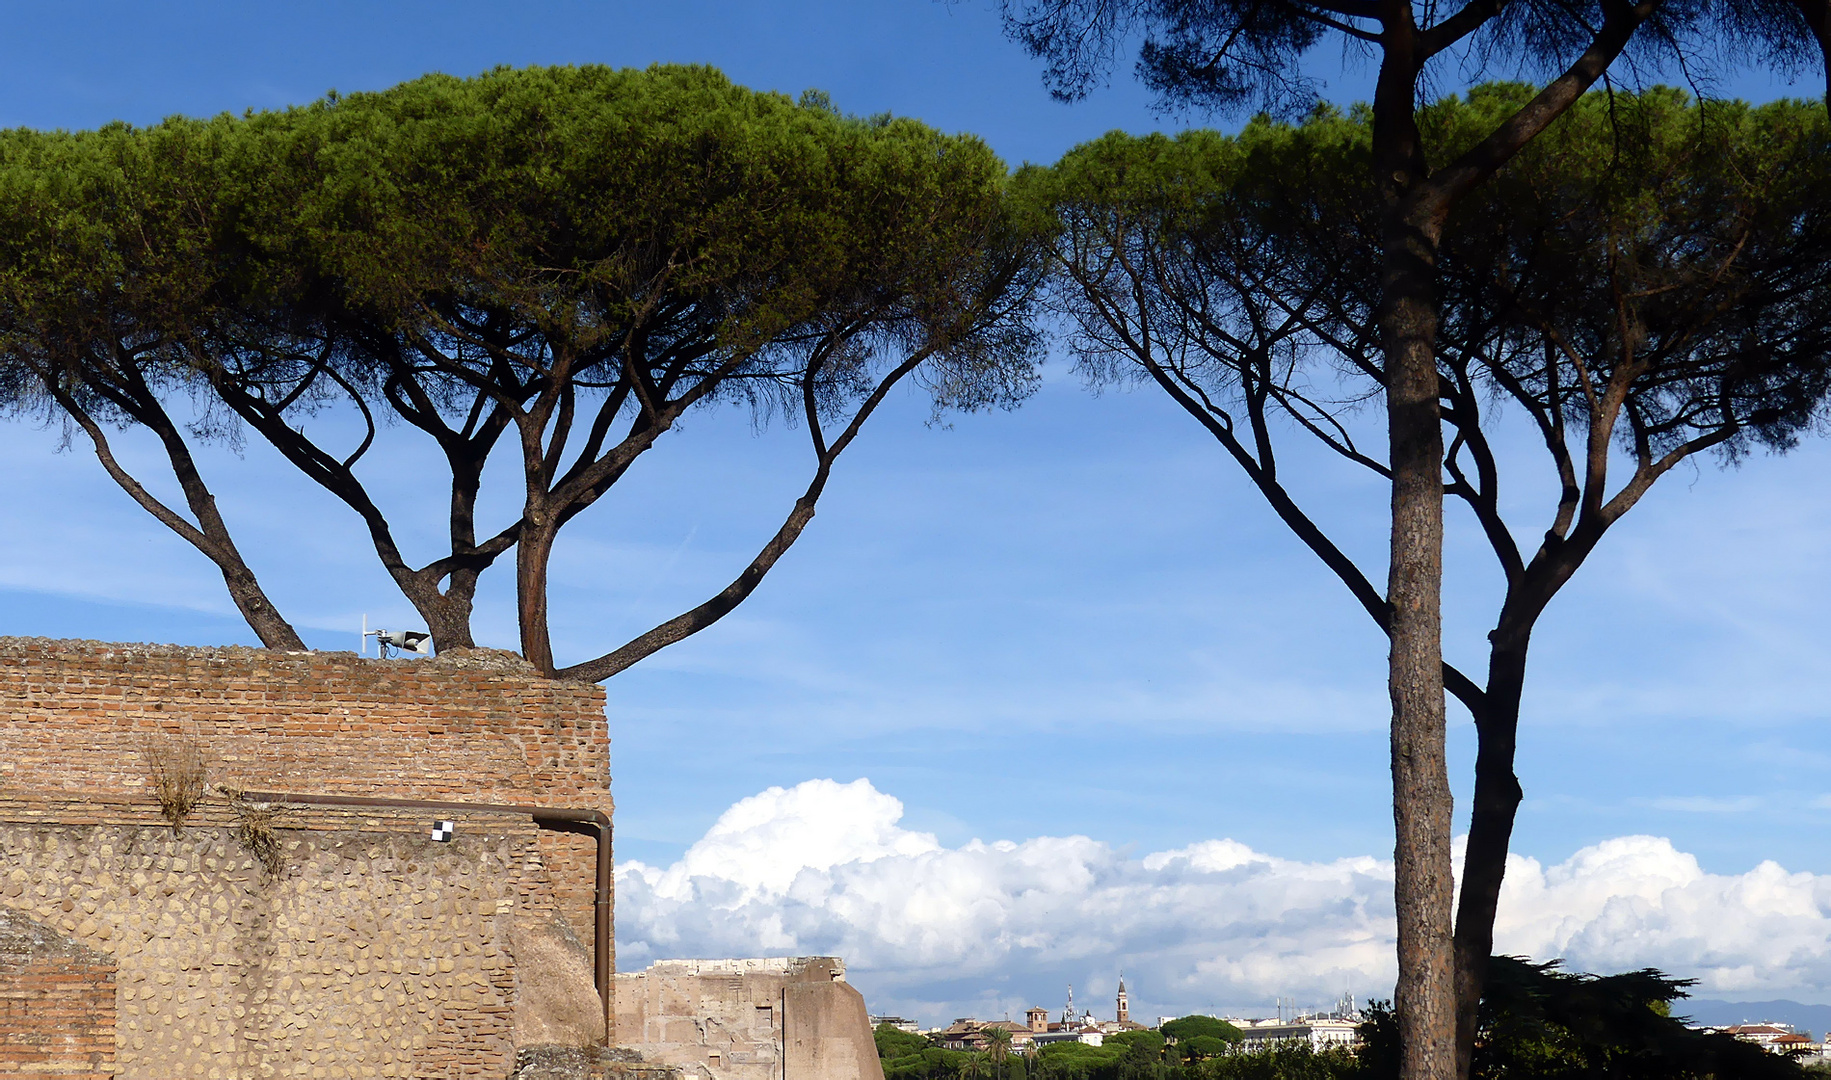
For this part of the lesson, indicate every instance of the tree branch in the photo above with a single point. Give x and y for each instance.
(692, 622)
(210, 536)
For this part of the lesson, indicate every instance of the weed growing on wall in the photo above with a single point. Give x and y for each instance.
(254, 829)
(175, 767)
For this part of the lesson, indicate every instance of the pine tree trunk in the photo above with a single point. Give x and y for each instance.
(1425, 999)
(1495, 804)
(532, 554)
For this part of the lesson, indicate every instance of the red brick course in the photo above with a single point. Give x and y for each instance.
(57, 1004)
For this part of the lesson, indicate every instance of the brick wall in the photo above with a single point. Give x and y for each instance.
(57, 1003)
(475, 725)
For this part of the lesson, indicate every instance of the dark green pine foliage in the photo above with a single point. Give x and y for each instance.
(552, 266)
(1543, 1023)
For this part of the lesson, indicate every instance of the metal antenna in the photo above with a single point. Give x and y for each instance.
(417, 642)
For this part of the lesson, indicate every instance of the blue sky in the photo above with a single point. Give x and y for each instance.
(1073, 619)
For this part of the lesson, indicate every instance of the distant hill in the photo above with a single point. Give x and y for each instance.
(1812, 1018)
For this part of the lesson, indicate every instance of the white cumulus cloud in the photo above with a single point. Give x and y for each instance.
(1637, 901)
(987, 928)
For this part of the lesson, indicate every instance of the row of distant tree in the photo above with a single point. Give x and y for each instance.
(1164, 1052)
(1537, 1022)
(556, 266)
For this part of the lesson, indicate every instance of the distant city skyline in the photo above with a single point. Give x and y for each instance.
(1069, 643)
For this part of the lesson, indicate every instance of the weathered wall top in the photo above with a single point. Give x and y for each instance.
(480, 725)
(814, 967)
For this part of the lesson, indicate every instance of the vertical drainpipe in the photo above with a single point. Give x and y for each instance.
(559, 819)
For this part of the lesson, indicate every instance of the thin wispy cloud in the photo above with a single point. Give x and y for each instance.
(1706, 804)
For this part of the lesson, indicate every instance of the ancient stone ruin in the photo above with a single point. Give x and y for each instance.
(748, 1019)
(243, 863)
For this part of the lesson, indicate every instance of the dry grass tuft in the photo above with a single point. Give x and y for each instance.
(254, 828)
(175, 765)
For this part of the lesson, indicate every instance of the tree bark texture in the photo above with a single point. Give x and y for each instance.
(1442, 972)
(1421, 802)
(532, 555)
(1817, 16)
(1438, 996)
(1423, 886)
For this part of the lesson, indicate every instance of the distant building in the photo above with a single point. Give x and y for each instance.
(1775, 1038)
(1340, 1027)
(1322, 1033)
(1122, 1015)
(968, 1033)
(1076, 1025)
(962, 1034)
(898, 1023)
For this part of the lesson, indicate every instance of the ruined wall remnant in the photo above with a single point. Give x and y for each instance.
(762, 1019)
(471, 725)
(56, 1004)
(245, 939)
(828, 1032)
(362, 945)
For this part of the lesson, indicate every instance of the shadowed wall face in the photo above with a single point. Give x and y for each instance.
(472, 725)
(57, 1003)
(829, 1032)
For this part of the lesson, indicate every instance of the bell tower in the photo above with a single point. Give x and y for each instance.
(1125, 1012)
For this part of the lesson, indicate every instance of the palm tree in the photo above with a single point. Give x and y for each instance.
(997, 1046)
(976, 1067)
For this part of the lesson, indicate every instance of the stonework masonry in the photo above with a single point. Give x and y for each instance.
(765, 1019)
(264, 940)
(371, 951)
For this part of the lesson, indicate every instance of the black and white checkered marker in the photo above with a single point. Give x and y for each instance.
(443, 830)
